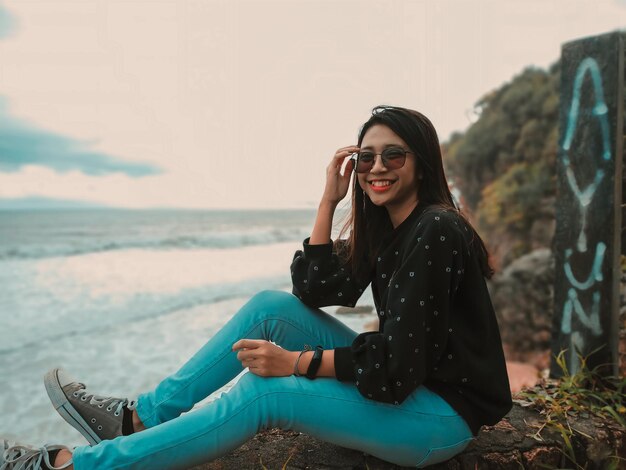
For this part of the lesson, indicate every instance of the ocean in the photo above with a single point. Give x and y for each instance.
(122, 298)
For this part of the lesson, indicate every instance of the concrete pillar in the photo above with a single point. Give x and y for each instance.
(588, 238)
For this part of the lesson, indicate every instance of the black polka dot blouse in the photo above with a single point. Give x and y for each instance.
(437, 324)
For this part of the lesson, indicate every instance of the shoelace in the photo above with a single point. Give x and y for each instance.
(21, 457)
(101, 400)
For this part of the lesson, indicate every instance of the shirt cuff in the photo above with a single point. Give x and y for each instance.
(344, 364)
(317, 252)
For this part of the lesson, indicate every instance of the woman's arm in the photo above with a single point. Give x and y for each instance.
(335, 190)
(323, 223)
(327, 366)
(318, 276)
(266, 359)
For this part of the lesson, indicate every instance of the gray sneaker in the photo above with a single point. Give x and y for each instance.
(96, 417)
(14, 456)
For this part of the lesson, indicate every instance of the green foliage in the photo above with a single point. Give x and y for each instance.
(509, 202)
(504, 164)
(507, 198)
(583, 394)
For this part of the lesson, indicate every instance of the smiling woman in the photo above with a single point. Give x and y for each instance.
(415, 392)
(392, 184)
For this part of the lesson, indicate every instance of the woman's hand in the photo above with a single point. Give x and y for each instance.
(265, 358)
(336, 183)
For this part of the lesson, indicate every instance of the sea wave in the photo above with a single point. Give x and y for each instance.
(71, 246)
(97, 318)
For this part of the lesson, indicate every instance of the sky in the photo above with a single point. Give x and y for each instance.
(242, 104)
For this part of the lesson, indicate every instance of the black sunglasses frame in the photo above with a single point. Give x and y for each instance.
(385, 159)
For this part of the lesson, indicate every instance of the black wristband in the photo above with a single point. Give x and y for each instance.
(315, 363)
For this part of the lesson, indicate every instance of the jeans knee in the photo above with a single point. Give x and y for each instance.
(271, 296)
(266, 305)
(272, 302)
(267, 394)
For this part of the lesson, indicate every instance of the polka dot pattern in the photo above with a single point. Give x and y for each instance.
(415, 296)
(416, 276)
(320, 280)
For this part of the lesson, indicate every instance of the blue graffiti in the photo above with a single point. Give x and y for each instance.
(595, 275)
(590, 321)
(584, 196)
(600, 111)
(577, 345)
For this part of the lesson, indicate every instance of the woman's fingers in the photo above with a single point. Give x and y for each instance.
(336, 181)
(245, 354)
(344, 152)
(254, 349)
(348, 169)
(347, 148)
(340, 156)
(247, 348)
(266, 359)
(248, 363)
(247, 343)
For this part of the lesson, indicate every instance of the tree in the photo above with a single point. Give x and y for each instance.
(504, 164)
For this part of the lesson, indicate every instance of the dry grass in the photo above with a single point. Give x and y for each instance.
(583, 394)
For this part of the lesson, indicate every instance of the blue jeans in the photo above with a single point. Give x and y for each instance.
(421, 431)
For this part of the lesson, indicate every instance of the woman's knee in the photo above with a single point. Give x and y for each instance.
(268, 395)
(266, 306)
(269, 296)
(271, 302)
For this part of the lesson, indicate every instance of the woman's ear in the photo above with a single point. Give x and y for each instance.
(420, 172)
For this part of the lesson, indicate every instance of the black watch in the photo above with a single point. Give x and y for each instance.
(315, 363)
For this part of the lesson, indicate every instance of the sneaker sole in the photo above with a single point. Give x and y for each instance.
(65, 408)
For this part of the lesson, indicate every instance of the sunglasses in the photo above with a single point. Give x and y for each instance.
(393, 158)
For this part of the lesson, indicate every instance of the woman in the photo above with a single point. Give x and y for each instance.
(414, 393)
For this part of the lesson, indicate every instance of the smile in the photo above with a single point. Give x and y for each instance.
(380, 185)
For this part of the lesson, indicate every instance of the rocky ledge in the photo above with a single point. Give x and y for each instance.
(508, 445)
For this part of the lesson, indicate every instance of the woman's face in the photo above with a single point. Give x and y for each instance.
(394, 189)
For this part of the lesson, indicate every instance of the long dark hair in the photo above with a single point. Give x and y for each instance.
(368, 224)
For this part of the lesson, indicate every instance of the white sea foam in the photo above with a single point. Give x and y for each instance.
(52, 297)
(119, 320)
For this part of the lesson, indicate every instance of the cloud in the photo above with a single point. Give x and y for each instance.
(117, 189)
(8, 22)
(182, 189)
(22, 144)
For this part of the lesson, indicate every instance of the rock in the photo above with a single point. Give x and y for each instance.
(510, 444)
(359, 309)
(523, 297)
(542, 231)
(275, 449)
